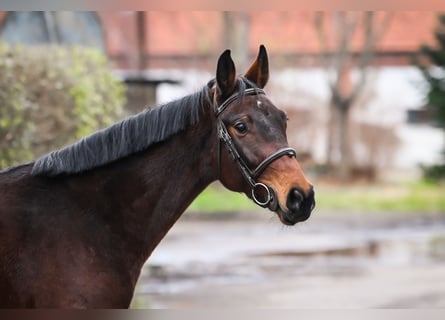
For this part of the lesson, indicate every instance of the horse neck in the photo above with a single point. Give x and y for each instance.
(145, 193)
(176, 172)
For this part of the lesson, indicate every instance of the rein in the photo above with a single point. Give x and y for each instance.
(250, 175)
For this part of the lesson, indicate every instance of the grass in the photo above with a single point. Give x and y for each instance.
(403, 197)
(218, 199)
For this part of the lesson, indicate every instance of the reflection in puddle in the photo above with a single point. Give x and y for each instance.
(369, 248)
(437, 248)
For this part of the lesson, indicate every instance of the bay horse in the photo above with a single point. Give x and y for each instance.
(77, 225)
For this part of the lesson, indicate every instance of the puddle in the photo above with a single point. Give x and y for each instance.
(227, 258)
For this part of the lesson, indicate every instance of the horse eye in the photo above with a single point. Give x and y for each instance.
(241, 127)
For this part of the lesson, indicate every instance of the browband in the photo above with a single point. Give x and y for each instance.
(235, 96)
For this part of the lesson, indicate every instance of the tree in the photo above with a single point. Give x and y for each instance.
(431, 63)
(236, 28)
(341, 52)
(435, 74)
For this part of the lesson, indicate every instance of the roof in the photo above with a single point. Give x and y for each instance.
(194, 32)
(203, 33)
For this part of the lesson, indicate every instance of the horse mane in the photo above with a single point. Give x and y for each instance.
(133, 134)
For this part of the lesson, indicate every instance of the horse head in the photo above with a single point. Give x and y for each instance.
(257, 159)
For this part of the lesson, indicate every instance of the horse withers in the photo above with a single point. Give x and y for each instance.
(77, 225)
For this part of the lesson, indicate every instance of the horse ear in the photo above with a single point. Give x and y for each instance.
(225, 74)
(258, 72)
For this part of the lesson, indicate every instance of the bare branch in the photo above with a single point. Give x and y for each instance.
(321, 36)
(346, 27)
(336, 57)
(383, 26)
(371, 37)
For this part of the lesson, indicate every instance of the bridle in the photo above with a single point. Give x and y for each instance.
(250, 175)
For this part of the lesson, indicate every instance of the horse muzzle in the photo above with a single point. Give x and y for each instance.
(298, 206)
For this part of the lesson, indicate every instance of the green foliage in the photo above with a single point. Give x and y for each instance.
(51, 96)
(14, 116)
(433, 173)
(434, 71)
(432, 65)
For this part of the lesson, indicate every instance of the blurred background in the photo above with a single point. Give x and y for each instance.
(365, 94)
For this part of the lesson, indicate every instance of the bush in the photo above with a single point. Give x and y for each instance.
(52, 96)
(14, 117)
(433, 173)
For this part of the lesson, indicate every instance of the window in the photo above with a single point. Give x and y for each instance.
(59, 27)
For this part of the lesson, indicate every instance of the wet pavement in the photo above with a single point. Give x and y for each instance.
(333, 260)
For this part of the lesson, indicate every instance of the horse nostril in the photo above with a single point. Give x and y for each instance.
(294, 200)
